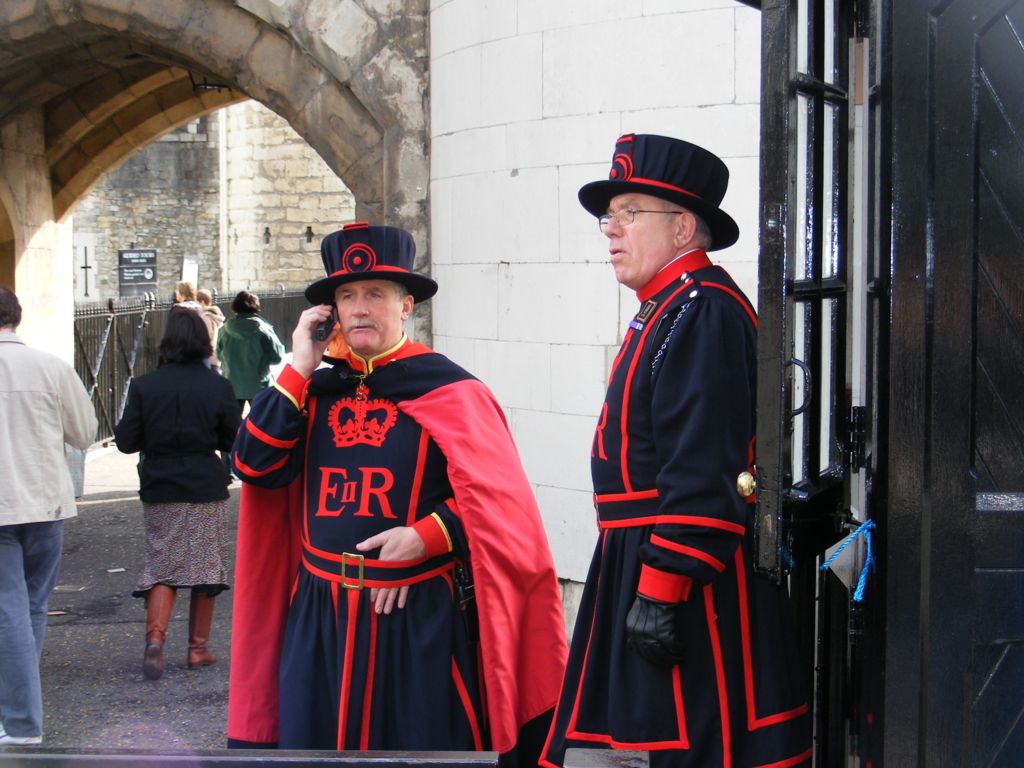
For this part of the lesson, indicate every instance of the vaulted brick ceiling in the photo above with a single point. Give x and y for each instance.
(102, 97)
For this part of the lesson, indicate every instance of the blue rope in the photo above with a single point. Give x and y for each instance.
(864, 529)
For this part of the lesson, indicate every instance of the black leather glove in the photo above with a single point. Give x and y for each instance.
(651, 632)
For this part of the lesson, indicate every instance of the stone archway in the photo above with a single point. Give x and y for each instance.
(8, 236)
(7, 247)
(107, 77)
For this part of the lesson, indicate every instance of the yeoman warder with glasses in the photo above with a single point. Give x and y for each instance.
(680, 648)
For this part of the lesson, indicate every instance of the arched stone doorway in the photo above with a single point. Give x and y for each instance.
(98, 80)
(7, 247)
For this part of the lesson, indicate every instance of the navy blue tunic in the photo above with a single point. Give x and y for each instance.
(349, 678)
(675, 431)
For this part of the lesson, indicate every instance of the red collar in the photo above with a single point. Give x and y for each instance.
(689, 262)
(404, 348)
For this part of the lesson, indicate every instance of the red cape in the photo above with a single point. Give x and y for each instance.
(522, 635)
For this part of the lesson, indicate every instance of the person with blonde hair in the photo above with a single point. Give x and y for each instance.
(184, 291)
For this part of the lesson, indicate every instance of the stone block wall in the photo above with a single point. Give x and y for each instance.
(277, 187)
(209, 192)
(164, 198)
(527, 99)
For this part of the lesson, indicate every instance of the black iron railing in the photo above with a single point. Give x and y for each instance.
(118, 339)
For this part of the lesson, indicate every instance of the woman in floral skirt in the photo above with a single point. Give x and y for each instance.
(177, 418)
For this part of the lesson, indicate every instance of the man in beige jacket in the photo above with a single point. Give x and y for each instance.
(43, 405)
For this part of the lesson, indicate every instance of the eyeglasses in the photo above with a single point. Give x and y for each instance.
(625, 216)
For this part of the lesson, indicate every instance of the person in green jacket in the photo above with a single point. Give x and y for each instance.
(246, 347)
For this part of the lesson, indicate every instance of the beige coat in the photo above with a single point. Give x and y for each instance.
(42, 406)
(214, 319)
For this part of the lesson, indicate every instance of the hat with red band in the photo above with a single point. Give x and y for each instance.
(361, 252)
(673, 170)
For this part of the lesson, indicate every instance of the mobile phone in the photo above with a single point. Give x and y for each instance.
(323, 329)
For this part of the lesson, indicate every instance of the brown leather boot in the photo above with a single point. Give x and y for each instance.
(159, 603)
(200, 617)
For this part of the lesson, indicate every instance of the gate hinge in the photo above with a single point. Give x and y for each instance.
(855, 442)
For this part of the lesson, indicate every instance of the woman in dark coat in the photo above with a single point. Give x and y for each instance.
(177, 418)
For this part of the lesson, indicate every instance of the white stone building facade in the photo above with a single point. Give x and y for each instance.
(527, 99)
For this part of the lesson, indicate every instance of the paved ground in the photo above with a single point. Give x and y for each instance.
(93, 690)
(95, 697)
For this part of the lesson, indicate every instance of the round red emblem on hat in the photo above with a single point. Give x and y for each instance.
(358, 257)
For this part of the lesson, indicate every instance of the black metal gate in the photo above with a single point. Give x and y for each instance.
(818, 339)
(108, 341)
(119, 339)
(890, 366)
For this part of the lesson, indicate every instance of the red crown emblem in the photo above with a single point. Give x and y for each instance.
(358, 420)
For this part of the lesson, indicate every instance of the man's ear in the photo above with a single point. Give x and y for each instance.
(407, 303)
(685, 229)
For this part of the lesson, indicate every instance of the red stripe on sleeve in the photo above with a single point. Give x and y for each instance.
(742, 303)
(434, 536)
(247, 470)
(663, 586)
(682, 549)
(263, 437)
(292, 383)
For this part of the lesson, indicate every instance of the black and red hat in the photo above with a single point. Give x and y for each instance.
(673, 170)
(360, 252)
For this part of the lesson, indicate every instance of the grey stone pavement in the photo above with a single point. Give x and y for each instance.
(94, 694)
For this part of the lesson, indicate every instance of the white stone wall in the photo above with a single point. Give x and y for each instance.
(527, 99)
(276, 182)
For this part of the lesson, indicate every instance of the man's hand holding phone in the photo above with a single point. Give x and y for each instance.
(310, 338)
(323, 330)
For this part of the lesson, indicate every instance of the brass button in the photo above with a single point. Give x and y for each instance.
(745, 484)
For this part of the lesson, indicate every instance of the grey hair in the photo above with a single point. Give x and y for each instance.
(702, 234)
